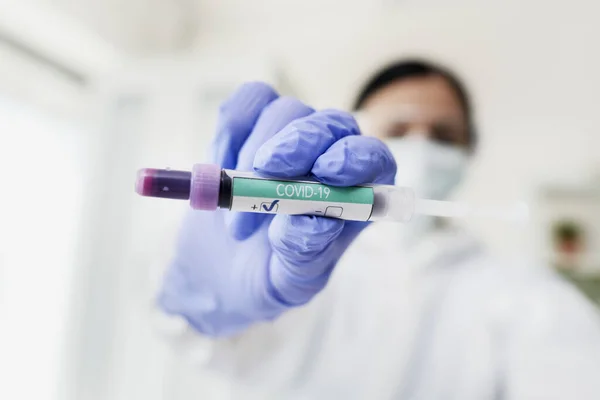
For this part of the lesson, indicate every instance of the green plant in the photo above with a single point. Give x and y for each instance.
(567, 231)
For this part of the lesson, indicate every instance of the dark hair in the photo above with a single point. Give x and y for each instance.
(406, 69)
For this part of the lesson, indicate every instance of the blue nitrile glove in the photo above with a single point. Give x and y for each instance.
(233, 269)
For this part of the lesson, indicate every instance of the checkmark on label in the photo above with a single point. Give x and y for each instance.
(271, 206)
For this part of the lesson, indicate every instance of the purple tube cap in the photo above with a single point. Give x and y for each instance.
(206, 181)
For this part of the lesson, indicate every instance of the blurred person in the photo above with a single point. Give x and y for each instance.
(303, 307)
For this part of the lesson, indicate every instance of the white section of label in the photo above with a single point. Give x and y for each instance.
(347, 211)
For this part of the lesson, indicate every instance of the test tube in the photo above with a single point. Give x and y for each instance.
(208, 187)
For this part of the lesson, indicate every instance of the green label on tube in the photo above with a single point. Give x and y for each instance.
(249, 187)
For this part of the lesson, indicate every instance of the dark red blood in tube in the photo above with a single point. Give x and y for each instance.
(164, 183)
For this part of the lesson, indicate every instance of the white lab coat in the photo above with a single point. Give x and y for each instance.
(440, 321)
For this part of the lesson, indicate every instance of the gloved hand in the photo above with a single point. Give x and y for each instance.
(233, 269)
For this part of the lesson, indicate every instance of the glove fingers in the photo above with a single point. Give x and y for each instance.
(293, 151)
(304, 253)
(237, 117)
(355, 160)
(273, 118)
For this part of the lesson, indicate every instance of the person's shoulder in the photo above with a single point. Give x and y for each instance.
(529, 294)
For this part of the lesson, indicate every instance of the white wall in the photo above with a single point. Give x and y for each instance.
(38, 86)
(43, 162)
(46, 140)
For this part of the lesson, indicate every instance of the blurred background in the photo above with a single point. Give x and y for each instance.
(91, 90)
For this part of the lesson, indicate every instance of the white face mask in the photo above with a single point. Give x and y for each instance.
(433, 170)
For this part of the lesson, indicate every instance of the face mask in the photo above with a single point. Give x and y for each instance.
(431, 169)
